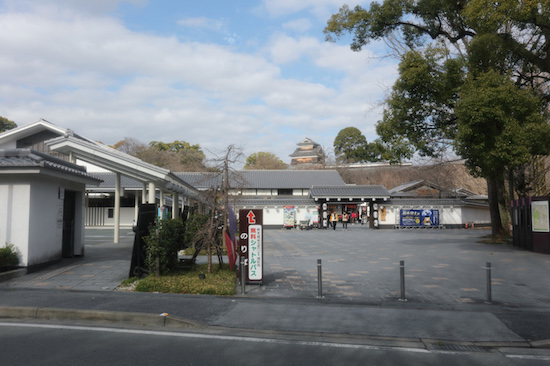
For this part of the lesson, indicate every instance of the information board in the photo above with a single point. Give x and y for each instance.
(419, 217)
(539, 215)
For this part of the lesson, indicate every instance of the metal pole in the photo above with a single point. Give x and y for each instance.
(489, 294)
(243, 276)
(402, 276)
(319, 279)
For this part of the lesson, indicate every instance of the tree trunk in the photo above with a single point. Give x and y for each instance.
(209, 240)
(493, 185)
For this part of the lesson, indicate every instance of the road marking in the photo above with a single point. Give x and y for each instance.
(258, 340)
(530, 357)
(221, 337)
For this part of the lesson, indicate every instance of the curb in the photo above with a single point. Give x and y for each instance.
(143, 319)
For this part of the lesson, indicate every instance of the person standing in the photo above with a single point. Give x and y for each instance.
(333, 220)
(345, 219)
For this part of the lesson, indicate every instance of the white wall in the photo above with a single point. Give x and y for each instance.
(127, 216)
(45, 221)
(475, 215)
(14, 215)
(449, 216)
(274, 216)
(31, 217)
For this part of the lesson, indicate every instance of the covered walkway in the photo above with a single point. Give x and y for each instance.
(152, 177)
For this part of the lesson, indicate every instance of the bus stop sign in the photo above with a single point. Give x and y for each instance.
(251, 244)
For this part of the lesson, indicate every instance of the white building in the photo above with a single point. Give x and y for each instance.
(43, 190)
(288, 197)
(41, 199)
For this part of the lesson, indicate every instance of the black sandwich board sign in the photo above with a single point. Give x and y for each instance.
(251, 242)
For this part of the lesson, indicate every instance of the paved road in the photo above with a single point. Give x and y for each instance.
(83, 345)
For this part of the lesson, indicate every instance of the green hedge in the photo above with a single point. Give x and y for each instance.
(9, 257)
(163, 242)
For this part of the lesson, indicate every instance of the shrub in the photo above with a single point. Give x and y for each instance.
(194, 227)
(163, 242)
(9, 256)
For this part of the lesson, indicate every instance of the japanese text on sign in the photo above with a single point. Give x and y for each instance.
(426, 217)
(255, 252)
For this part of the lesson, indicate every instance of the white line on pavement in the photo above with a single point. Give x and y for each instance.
(255, 339)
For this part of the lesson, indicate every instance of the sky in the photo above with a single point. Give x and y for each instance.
(256, 74)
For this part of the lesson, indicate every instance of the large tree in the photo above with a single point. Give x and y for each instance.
(522, 28)
(350, 145)
(6, 124)
(458, 52)
(500, 129)
(176, 156)
(264, 161)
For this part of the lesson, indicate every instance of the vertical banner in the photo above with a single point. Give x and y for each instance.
(288, 216)
(255, 257)
(251, 244)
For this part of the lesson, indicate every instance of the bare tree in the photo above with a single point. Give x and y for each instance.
(220, 196)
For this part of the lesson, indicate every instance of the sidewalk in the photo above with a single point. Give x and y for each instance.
(360, 299)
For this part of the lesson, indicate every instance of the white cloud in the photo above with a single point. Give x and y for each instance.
(95, 76)
(94, 7)
(321, 8)
(202, 23)
(298, 25)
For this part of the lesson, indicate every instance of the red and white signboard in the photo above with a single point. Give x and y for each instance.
(251, 244)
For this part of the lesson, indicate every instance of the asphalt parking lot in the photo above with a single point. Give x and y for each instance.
(441, 267)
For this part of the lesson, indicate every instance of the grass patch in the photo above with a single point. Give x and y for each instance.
(220, 282)
(129, 281)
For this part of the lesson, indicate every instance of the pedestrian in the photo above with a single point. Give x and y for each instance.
(345, 219)
(333, 220)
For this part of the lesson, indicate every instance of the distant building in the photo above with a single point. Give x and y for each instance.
(308, 153)
(422, 204)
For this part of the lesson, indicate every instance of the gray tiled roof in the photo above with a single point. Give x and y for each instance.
(109, 181)
(405, 186)
(317, 151)
(290, 179)
(266, 179)
(307, 142)
(349, 192)
(27, 158)
(252, 179)
(201, 180)
(436, 202)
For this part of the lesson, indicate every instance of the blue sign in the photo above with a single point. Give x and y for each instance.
(421, 218)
